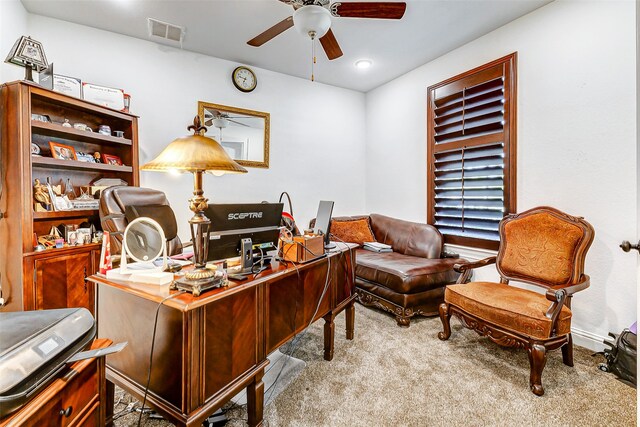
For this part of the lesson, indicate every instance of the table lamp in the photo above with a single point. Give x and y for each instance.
(197, 154)
(28, 53)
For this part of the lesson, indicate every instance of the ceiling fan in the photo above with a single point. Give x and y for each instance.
(313, 18)
(221, 120)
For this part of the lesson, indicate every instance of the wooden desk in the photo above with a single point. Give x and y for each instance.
(207, 349)
(76, 398)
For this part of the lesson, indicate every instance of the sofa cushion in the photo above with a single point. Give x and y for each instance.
(513, 308)
(404, 273)
(408, 238)
(352, 230)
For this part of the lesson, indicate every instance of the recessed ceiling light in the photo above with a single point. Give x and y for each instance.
(363, 64)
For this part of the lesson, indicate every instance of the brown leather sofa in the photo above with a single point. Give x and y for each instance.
(410, 280)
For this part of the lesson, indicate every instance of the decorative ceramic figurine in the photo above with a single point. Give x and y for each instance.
(82, 126)
(41, 195)
(66, 123)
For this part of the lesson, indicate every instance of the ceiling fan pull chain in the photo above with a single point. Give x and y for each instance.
(312, 35)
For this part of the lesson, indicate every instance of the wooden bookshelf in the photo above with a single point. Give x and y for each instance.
(57, 130)
(50, 162)
(78, 213)
(53, 278)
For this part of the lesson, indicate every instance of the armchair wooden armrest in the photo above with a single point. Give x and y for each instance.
(584, 283)
(559, 294)
(466, 267)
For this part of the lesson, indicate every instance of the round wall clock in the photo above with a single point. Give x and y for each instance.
(244, 79)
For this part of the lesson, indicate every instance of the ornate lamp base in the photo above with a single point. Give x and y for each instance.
(198, 280)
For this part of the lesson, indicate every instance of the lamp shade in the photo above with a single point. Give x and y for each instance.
(28, 52)
(312, 20)
(194, 153)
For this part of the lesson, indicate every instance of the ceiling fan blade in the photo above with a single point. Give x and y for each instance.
(381, 10)
(267, 35)
(330, 45)
(238, 123)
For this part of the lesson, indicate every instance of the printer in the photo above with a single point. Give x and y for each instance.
(34, 348)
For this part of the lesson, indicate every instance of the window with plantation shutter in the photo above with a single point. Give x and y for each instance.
(471, 131)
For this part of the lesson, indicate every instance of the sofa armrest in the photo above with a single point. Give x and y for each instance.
(467, 267)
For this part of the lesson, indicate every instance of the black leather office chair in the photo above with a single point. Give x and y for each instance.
(121, 204)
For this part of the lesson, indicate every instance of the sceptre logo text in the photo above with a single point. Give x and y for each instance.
(244, 215)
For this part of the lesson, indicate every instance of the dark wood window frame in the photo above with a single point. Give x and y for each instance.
(451, 139)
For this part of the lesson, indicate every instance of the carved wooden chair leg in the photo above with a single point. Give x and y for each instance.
(404, 321)
(537, 360)
(445, 316)
(567, 352)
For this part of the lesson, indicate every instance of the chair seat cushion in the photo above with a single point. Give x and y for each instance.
(405, 274)
(507, 306)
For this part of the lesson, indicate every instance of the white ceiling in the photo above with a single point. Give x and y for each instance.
(221, 28)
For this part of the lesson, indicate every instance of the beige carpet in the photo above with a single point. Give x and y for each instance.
(391, 376)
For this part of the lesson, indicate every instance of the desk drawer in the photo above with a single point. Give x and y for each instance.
(78, 394)
(90, 418)
(68, 401)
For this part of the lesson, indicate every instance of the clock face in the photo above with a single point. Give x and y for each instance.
(244, 79)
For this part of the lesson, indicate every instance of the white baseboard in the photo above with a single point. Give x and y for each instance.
(587, 339)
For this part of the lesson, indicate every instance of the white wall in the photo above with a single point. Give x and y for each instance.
(576, 137)
(13, 24)
(317, 131)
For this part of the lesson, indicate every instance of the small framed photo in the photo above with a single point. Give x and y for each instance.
(85, 157)
(110, 159)
(62, 152)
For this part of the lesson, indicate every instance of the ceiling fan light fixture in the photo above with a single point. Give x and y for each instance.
(363, 64)
(313, 21)
(220, 122)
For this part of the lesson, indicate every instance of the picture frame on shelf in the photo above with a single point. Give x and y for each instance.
(62, 151)
(59, 203)
(110, 159)
(102, 95)
(71, 86)
(85, 157)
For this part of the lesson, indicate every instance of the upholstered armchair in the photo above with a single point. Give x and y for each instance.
(543, 247)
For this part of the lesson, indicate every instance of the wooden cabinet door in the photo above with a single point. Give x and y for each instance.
(59, 282)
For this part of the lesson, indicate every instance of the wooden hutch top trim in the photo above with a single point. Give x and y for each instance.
(72, 101)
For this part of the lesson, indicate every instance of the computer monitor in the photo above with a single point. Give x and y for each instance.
(232, 224)
(323, 222)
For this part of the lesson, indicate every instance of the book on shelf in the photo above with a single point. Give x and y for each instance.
(377, 247)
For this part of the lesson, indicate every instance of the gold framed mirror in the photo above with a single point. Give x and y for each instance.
(244, 134)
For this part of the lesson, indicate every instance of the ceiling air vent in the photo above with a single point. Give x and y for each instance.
(165, 30)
